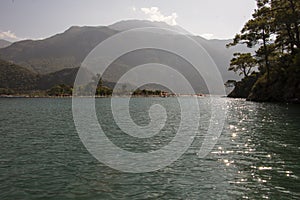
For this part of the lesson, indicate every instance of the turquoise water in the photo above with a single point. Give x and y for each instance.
(42, 157)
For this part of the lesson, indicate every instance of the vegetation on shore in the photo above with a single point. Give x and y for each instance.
(19, 81)
(275, 30)
(63, 90)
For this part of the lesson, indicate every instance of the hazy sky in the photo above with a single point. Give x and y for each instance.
(35, 19)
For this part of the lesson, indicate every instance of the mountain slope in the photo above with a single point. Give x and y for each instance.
(19, 79)
(134, 24)
(16, 77)
(68, 50)
(65, 50)
(4, 43)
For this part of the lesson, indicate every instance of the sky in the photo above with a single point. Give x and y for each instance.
(38, 19)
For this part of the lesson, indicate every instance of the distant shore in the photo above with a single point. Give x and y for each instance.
(114, 96)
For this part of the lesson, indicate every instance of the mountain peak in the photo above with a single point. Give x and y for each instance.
(134, 23)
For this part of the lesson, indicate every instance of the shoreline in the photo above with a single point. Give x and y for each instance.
(115, 96)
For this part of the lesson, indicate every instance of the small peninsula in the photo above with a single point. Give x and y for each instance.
(272, 73)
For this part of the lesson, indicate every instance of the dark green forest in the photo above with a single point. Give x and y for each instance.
(272, 73)
(16, 80)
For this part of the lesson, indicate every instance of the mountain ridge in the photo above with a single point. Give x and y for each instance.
(4, 43)
(69, 48)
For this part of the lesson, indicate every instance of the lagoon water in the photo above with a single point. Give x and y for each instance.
(257, 156)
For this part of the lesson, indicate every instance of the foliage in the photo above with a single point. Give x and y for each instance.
(60, 90)
(275, 29)
(6, 91)
(145, 92)
(244, 87)
(103, 91)
(242, 62)
(16, 78)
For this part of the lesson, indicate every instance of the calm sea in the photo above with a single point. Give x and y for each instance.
(256, 157)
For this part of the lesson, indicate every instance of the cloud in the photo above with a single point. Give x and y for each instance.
(208, 36)
(8, 35)
(154, 14)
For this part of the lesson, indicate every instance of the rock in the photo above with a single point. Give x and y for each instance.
(243, 88)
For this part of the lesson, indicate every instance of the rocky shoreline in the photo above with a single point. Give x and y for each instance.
(277, 89)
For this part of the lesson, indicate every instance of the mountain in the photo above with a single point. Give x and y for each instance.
(134, 24)
(216, 48)
(19, 79)
(16, 77)
(4, 43)
(64, 50)
(66, 76)
(68, 50)
(222, 55)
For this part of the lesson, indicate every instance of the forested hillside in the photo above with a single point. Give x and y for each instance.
(275, 31)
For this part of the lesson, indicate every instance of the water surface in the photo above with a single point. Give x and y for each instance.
(42, 157)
